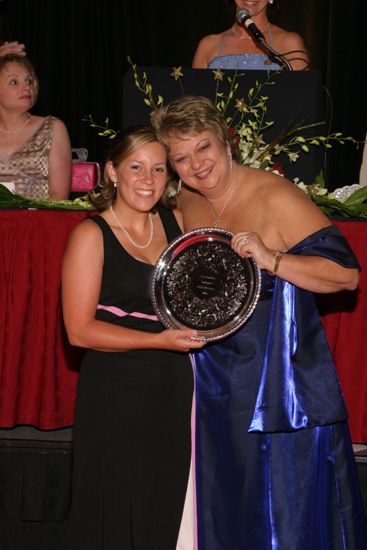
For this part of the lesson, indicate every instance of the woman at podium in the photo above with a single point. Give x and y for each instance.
(239, 46)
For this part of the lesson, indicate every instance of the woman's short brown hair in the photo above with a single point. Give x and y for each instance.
(189, 114)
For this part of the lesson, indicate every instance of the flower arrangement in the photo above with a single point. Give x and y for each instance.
(247, 120)
(248, 126)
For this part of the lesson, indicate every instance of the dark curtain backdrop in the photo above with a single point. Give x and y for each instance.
(80, 47)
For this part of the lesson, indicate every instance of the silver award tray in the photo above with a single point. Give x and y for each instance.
(199, 282)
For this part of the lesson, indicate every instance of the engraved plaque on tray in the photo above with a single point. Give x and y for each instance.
(199, 282)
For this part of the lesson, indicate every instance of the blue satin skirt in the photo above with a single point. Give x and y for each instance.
(286, 490)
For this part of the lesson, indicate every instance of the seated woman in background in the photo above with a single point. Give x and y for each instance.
(235, 48)
(35, 151)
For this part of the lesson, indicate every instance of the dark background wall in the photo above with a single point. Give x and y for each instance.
(80, 48)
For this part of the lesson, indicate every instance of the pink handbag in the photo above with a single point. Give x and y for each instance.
(84, 175)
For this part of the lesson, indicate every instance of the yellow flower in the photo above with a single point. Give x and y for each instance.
(176, 73)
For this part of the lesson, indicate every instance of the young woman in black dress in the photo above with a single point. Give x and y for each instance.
(132, 421)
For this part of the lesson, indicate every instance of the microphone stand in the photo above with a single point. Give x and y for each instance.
(243, 17)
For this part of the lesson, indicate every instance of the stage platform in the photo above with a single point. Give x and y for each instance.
(35, 481)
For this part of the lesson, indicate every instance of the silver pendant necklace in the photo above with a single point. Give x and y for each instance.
(217, 217)
(125, 231)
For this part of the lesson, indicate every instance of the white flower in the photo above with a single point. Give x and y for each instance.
(320, 190)
(301, 185)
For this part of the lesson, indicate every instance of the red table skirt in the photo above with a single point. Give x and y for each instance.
(38, 367)
(344, 315)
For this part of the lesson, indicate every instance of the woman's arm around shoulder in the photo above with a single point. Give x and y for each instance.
(59, 170)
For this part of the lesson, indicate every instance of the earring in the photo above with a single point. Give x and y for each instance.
(179, 186)
(114, 181)
(230, 163)
(270, 1)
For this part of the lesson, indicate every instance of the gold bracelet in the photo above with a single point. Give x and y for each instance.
(277, 257)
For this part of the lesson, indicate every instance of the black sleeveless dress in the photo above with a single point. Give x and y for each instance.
(132, 422)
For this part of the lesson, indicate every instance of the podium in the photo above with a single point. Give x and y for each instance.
(293, 97)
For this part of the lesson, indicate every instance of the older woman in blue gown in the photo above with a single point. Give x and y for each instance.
(274, 466)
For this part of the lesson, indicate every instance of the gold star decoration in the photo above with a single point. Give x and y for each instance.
(241, 105)
(218, 74)
(176, 73)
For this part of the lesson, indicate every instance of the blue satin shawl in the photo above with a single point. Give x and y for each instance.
(299, 387)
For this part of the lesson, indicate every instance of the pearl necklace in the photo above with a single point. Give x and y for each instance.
(125, 231)
(18, 127)
(216, 221)
(247, 35)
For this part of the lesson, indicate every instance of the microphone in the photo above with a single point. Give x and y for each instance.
(244, 18)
